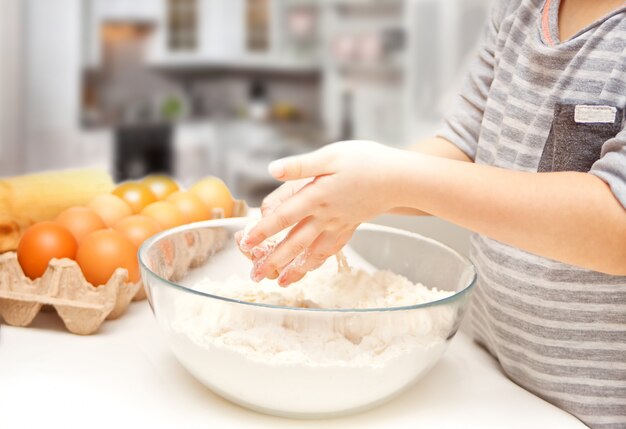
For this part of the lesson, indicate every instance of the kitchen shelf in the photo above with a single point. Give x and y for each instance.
(255, 63)
(290, 3)
(365, 3)
(375, 71)
(370, 9)
(360, 25)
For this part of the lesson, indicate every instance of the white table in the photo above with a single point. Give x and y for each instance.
(125, 376)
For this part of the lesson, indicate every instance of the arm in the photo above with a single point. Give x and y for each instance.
(436, 146)
(570, 217)
(441, 147)
(567, 216)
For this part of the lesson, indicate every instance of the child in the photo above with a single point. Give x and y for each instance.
(533, 160)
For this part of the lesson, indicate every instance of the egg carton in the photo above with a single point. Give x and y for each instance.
(84, 307)
(81, 306)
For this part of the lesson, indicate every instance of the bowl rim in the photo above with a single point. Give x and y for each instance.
(214, 223)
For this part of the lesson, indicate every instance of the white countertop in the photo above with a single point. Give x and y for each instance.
(125, 375)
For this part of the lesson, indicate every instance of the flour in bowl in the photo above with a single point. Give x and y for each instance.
(290, 359)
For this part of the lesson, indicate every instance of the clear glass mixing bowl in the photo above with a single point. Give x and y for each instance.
(321, 362)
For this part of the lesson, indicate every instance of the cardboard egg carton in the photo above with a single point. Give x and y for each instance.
(82, 306)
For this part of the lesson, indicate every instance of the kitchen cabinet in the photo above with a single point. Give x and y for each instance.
(297, 28)
(222, 28)
(247, 34)
(268, 34)
(126, 10)
(258, 25)
(217, 32)
(181, 23)
(98, 12)
(399, 60)
(215, 26)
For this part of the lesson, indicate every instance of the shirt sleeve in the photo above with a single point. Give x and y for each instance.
(462, 125)
(611, 167)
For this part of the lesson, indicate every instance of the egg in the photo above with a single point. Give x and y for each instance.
(110, 208)
(41, 243)
(160, 185)
(102, 252)
(80, 222)
(215, 194)
(137, 228)
(190, 205)
(165, 214)
(136, 195)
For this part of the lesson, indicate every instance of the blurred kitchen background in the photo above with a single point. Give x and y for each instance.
(222, 87)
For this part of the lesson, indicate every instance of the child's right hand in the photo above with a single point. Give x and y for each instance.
(281, 194)
(348, 183)
(270, 202)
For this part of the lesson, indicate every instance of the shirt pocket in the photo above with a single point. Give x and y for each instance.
(575, 145)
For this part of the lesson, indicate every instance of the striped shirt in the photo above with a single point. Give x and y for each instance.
(532, 103)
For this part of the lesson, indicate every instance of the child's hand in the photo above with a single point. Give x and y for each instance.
(270, 202)
(353, 183)
(256, 254)
(281, 194)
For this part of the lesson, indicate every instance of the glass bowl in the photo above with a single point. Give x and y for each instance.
(302, 362)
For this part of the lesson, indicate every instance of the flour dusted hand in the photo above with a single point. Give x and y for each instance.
(349, 186)
(259, 253)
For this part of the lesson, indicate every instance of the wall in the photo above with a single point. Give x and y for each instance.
(11, 17)
(52, 92)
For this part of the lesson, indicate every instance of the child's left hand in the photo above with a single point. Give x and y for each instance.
(353, 183)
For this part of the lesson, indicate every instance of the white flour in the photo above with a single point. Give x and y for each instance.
(311, 362)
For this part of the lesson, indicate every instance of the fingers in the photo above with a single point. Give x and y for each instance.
(301, 166)
(238, 236)
(255, 253)
(325, 246)
(281, 194)
(292, 211)
(274, 199)
(282, 210)
(296, 242)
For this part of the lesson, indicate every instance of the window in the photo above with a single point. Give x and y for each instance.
(257, 17)
(182, 25)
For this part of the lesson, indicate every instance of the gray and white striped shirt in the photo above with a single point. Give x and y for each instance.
(532, 103)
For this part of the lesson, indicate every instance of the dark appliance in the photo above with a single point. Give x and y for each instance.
(143, 149)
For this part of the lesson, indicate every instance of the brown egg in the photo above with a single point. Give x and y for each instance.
(160, 185)
(165, 214)
(102, 252)
(80, 221)
(110, 208)
(137, 228)
(136, 195)
(215, 194)
(190, 205)
(42, 242)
